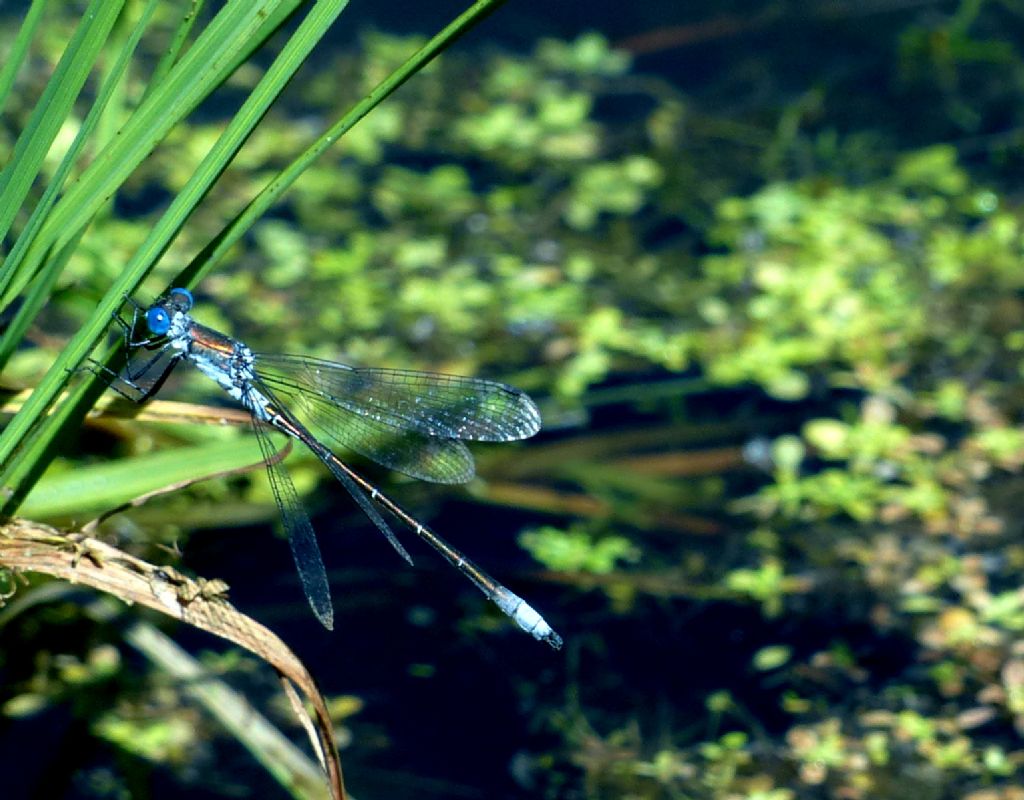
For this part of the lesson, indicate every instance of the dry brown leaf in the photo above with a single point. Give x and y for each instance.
(79, 559)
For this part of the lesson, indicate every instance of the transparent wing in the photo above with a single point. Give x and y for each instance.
(409, 421)
(408, 452)
(285, 422)
(447, 406)
(305, 549)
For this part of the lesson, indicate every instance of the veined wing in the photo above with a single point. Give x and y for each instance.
(407, 451)
(305, 549)
(409, 421)
(445, 406)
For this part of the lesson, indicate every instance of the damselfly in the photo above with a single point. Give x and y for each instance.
(412, 422)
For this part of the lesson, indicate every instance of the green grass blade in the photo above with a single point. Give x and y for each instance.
(22, 454)
(46, 278)
(53, 107)
(39, 292)
(22, 467)
(276, 78)
(16, 57)
(273, 20)
(270, 194)
(188, 18)
(98, 487)
(39, 445)
(200, 71)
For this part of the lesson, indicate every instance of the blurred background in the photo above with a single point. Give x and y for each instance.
(760, 264)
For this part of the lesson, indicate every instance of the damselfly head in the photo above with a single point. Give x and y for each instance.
(159, 315)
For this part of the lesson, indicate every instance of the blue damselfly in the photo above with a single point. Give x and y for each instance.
(412, 422)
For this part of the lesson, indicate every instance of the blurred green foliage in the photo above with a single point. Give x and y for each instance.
(577, 550)
(492, 218)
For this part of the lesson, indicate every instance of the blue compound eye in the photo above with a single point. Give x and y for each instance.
(182, 298)
(158, 320)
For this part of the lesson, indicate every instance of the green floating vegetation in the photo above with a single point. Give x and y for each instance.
(494, 217)
(577, 551)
